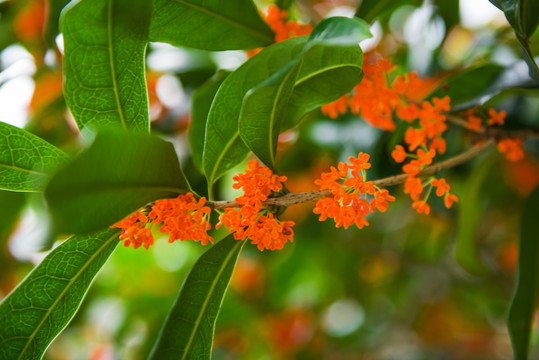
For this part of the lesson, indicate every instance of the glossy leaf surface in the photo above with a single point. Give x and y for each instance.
(188, 330)
(26, 161)
(209, 25)
(332, 51)
(118, 174)
(104, 64)
(521, 312)
(201, 101)
(46, 301)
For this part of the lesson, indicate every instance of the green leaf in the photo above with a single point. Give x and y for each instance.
(26, 161)
(54, 8)
(117, 175)
(326, 56)
(261, 113)
(521, 311)
(105, 46)
(12, 204)
(223, 147)
(468, 84)
(188, 331)
(370, 10)
(523, 15)
(469, 218)
(201, 101)
(209, 24)
(48, 298)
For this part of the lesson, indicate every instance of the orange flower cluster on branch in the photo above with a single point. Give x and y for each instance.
(510, 147)
(184, 218)
(284, 29)
(252, 220)
(350, 191)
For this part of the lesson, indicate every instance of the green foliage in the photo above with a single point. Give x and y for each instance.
(26, 161)
(12, 204)
(209, 25)
(523, 17)
(118, 174)
(258, 92)
(526, 293)
(46, 301)
(105, 44)
(188, 330)
(201, 101)
(468, 85)
(335, 40)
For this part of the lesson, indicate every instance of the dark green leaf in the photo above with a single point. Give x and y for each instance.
(46, 301)
(26, 161)
(223, 148)
(523, 15)
(522, 308)
(54, 8)
(370, 10)
(210, 25)
(118, 174)
(12, 204)
(261, 113)
(324, 57)
(188, 330)
(201, 101)
(468, 84)
(105, 46)
(469, 218)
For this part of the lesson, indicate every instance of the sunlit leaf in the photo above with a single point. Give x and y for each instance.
(48, 298)
(522, 308)
(26, 161)
(210, 25)
(105, 46)
(188, 330)
(370, 10)
(118, 174)
(201, 101)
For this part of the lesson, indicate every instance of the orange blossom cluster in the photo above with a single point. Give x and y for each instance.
(184, 218)
(377, 99)
(284, 29)
(253, 220)
(349, 202)
(510, 147)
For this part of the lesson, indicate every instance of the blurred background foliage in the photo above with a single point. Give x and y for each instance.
(407, 287)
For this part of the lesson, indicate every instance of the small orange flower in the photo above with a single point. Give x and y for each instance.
(252, 220)
(511, 148)
(421, 207)
(348, 204)
(413, 186)
(441, 186)
(399, 154)
(134, 231)
(449, 199)
(496, 117)
(474, 123)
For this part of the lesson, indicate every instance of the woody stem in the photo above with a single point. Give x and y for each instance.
(298, 198)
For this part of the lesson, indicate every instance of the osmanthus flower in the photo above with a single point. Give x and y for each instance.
(283, 28)
(184, 218)
(353, 198)
(253, 220)
(511, 148)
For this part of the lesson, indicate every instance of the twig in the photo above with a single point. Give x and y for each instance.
(298, 198)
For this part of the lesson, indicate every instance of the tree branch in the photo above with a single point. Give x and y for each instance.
(298, 198)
